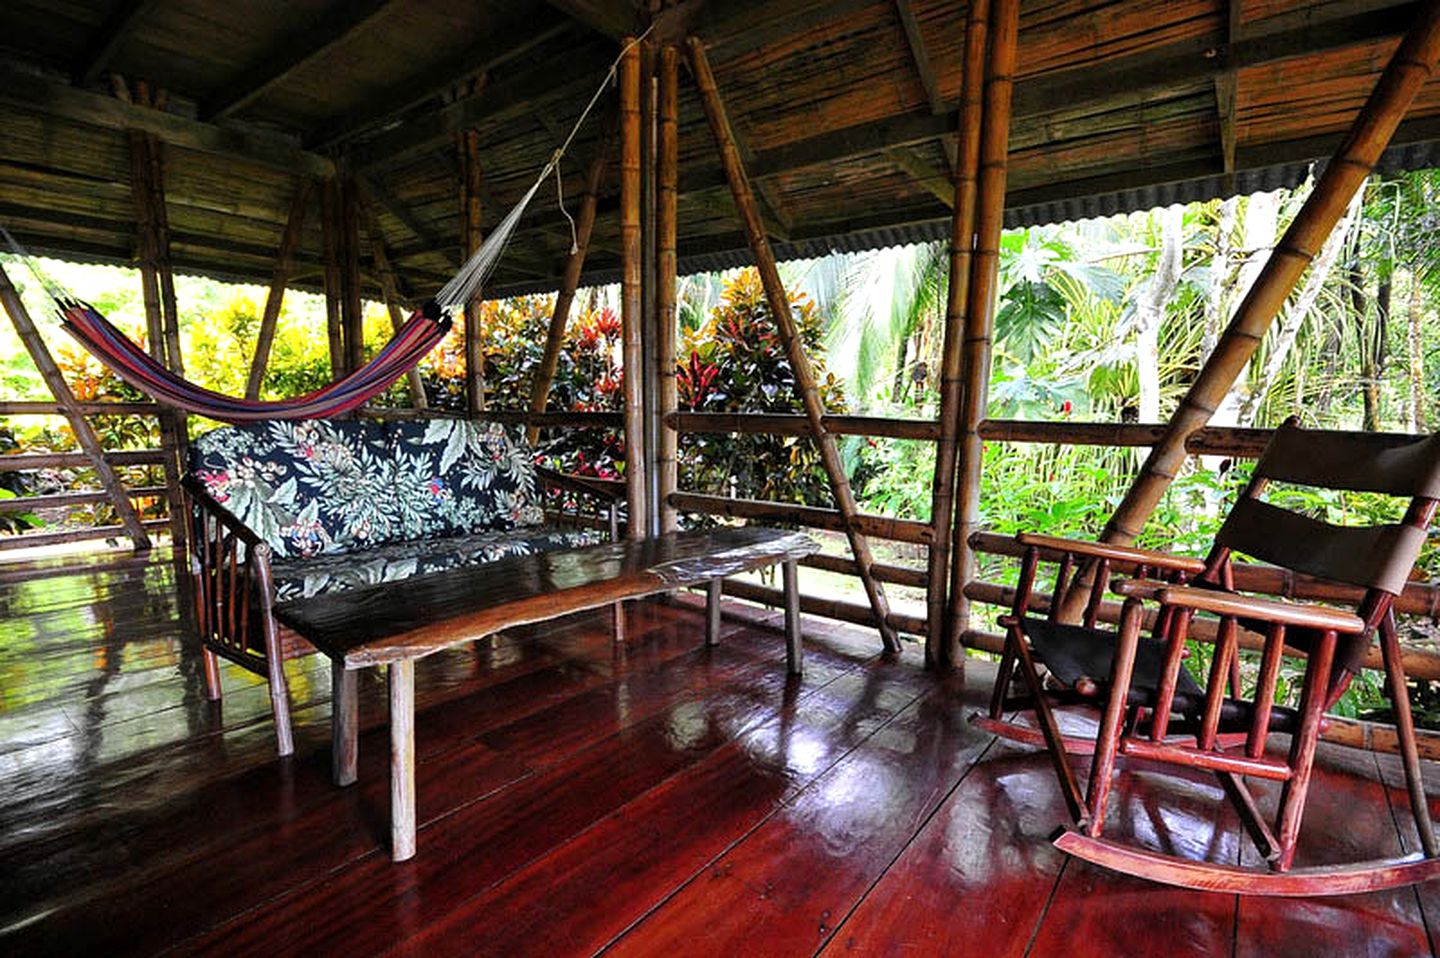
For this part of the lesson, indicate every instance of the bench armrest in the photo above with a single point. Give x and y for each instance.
(201, 497)
(1115, 553)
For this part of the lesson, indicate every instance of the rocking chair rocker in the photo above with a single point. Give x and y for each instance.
(1151, 709)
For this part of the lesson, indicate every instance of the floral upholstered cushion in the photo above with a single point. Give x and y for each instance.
(307, 488)
(456, 476)
(302, 578)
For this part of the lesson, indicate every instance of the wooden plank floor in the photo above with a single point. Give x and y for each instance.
(579, 798)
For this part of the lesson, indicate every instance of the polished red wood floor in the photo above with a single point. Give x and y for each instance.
(576, 798)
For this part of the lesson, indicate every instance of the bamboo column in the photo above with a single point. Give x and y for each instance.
(1411, 65)
(779, 303)
(631, 311)
(667, 166)
(942, 647)
(330, 252)
(395, 303)
(352, 307)
(569, 281)
(980, 308)
(474, 353)
(275, 298)
(84, 433)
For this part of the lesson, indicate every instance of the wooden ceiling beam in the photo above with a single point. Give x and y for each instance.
(915, 40)
(500, 47)
(31, 93)
(377, 195)
(292, 53)
(117, 28)
(923, 173)
(612, 19)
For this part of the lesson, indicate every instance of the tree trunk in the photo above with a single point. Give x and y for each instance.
(1289, 328)
(1416, 317)
(1262, 226)
(1216, 301)
(1150, 310)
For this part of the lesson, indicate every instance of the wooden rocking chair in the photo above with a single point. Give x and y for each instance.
(1151, 709)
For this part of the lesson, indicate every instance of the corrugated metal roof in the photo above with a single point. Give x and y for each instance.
(1410, 156)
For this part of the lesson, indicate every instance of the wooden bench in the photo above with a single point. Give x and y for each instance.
(395, 623)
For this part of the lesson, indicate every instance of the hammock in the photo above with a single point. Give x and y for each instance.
(420, 334)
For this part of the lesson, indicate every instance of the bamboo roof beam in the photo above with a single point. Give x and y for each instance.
(924, 70)
(294, 52)
(84, 434)
(117, 28)
(779, 303)
(1411, 65)
(395, 300)
(939, 652)
(275, 298)
(980, 301)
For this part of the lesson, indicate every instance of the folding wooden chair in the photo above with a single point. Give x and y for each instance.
(1150, 708)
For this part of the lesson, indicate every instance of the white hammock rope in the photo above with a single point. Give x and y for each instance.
(465, 285)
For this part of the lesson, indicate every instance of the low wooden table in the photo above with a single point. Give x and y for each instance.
(395, 623)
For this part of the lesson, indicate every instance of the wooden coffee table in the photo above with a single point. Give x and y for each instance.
(395, 623)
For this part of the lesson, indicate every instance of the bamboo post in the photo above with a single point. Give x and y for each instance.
(941, 646)
(160, 220)
(330, 252)
(84, 433)
(649, 282)
(474, 353)
(800, 364)
(631, 311)
(980, 309)
(275, 298)
(352, 308)
(1411, 65)
(569, 281)
(667, 165)
(395, 303)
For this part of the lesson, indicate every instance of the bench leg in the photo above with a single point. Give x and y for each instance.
(794, 654)
(712, 611)
(617, 621)
(402, 760)
(344, 724)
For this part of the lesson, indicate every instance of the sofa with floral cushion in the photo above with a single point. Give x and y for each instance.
(283, 511)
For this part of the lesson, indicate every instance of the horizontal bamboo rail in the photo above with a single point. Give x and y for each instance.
(787, 424)
(28, 407)
(63, 499)
(1419, 598)
(1419, 663)
(844, 565)
(842, 611)
(78, 460)
(32, 540)
(879, 527)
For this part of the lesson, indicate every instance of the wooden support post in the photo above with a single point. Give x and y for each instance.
(569, 281)
(390, 288)
(275, 298)
(713, 590)
(330, 252)
(667, 397)
(344, 724)
(631, 311)
(471, 186)
(942, 647)
(84, 434)
(794, 650)
(649, 283)
(1411, 65)
(779, 303)
(352, 307)
(980, 309)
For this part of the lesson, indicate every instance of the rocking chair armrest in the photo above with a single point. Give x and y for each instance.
(606, 490)
(1147, 589)
(1115, 553)
(1321, 617)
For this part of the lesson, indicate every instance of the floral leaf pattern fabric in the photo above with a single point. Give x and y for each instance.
(314, 487)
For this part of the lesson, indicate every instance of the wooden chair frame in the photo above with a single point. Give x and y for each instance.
(1222, 732)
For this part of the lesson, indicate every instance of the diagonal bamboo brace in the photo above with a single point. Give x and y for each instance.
(779, 304)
